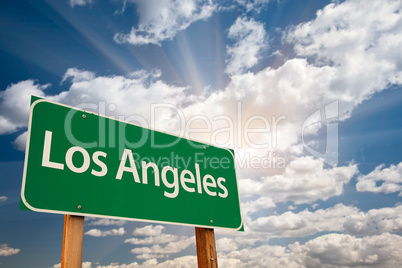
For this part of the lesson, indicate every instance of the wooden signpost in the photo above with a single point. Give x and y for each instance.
(75, 158)
(206, 249)
(73, 235)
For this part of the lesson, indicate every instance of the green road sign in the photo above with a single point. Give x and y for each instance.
(78, 162)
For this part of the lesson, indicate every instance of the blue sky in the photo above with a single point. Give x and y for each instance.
(319, 180)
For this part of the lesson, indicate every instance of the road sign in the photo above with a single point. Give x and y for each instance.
(81, 163)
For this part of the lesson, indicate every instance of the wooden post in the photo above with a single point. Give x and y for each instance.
(73, 235)
(206, 249)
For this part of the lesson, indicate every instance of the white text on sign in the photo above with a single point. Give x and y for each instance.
(188, 181)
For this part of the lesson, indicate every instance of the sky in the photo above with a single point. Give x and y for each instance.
(307, 94)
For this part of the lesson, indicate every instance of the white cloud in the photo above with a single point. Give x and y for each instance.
(74, 3)
(375, 221)
(250, 207)
(169, 248)
(77, 75)
(180, 262)
(14, 104)
(226, 244)
(85, 264)
(161, 20)
(5, 250)
(100, 233)
(304, 180)
(120, 91)
(381, 180)
(383, 250)
(3, 198)
(250, 40)
(304, 223)
(361, 41)
(158, 239)
(276, 256)
(107, 222)
(149, 230)
(340, 218)
(331, 250)
(151, 256)
(116, 94)
(116, 265)
(21, 141)
(253, 5)
(155, 237)
(6, 126)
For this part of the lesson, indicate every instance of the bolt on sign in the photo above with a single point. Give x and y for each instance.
(81, 163)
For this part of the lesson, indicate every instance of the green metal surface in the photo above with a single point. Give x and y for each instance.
(65, 191)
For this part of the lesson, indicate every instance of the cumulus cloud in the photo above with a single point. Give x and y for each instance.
(339, 218)
(276, 256)
(107, 222)
(180, 262)
(253, 206)
(381, 180)
(304, 180)
(85, 264)
(366, 60)
(304, 223)
(151, 256)
(263, 202)
(100, 233)
(249, 40)
(149, 230)
(111, 96)
(331, 250)
(171, 247)
(375, 221)
(77, 75)
(74, 3)
(345, 250)
(161, 20)
(14, 104)
(226, 244)
(253, 5)
(5, 250)
(163, 244)
(159, 239)
(21, 141)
